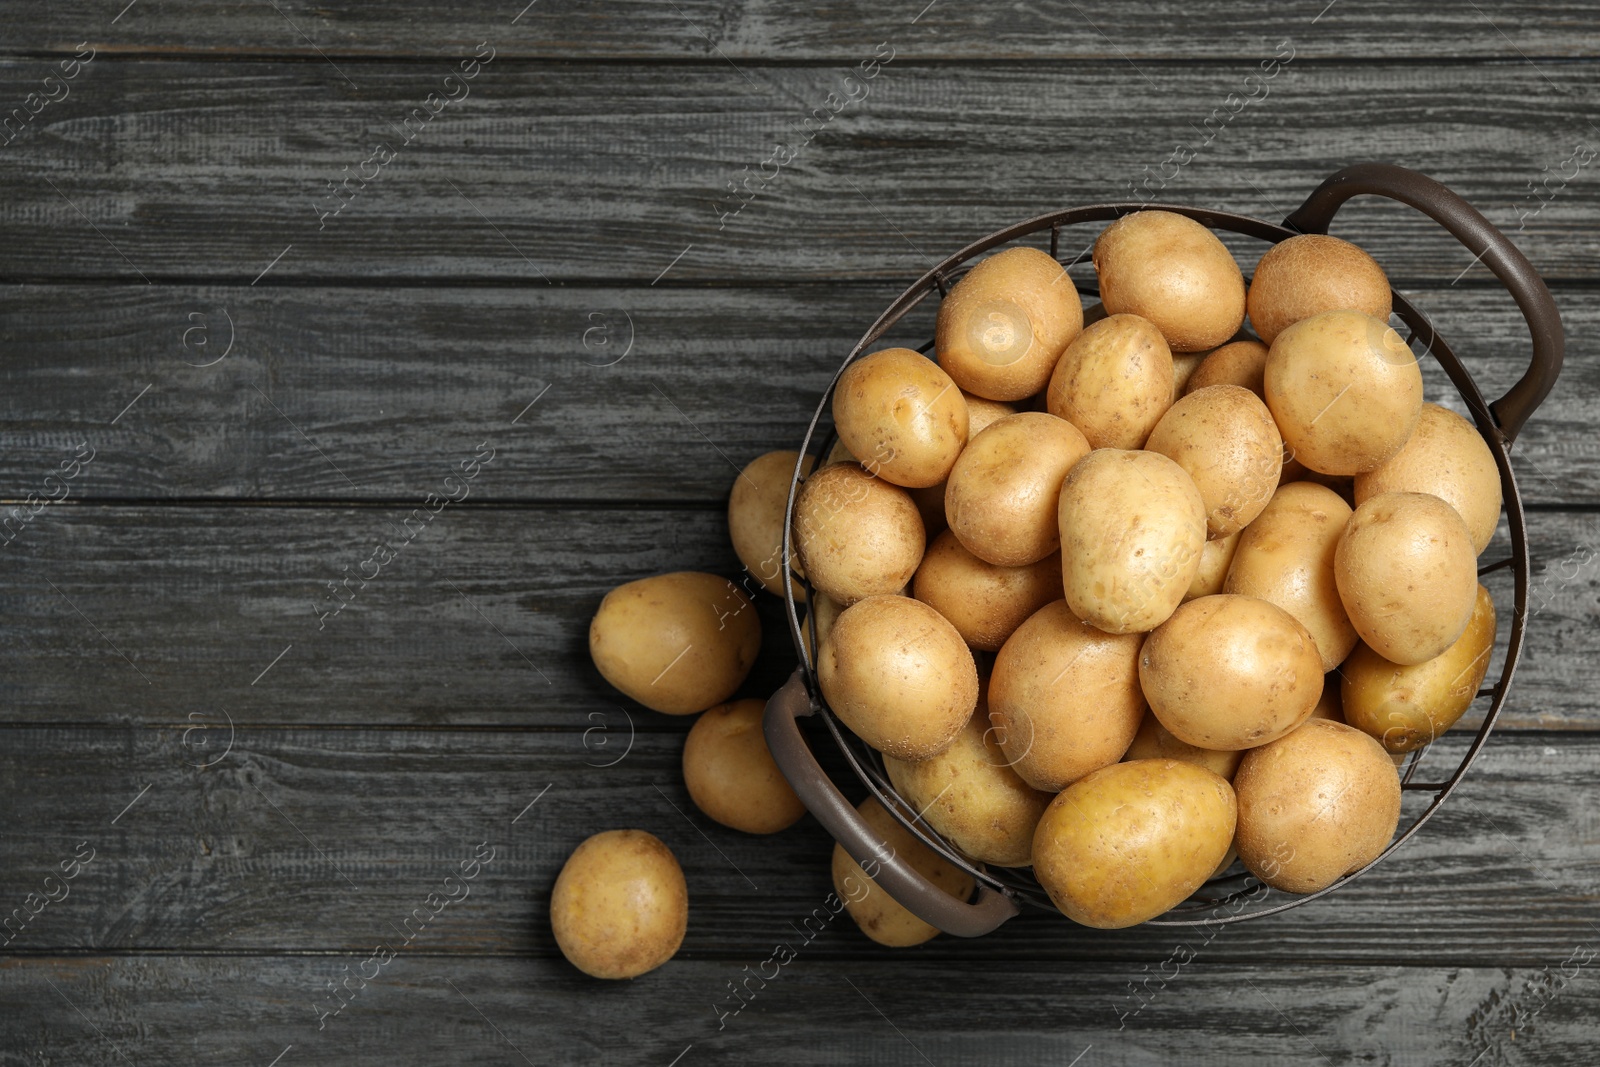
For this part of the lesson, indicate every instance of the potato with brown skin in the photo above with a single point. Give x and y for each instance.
(984, 602)
(1175, 272)
(1407, 574)
(1133, 526)
(1154, 741)
(1241, 363)
(1132, 840)
(1344, 390)
(1003, 325)
(1230, 672)
(898, 674)
(1285, 557)
(1114, 382)
(677, 643)
(818, 622)
(983, 412)
(881, 917)
(1311, 273)
(1406, 707)
(620, 906)
(1315, 806)
(1445, 456)
(731, 775)
(1064, 697)
(973, 797)
(755, 518)
(1215, 560)
(1184, 364)
(856, 535)
(898, 405)
(1224, 437)
(1001, 496)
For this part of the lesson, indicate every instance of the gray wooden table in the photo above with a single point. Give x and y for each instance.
(241, 343)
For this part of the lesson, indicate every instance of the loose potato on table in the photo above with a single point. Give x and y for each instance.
(1312, 273)
(881, 917)
(1315, 806)
(902, 416)
(1175, 272)
(1445, 456)
(1241, 363)
(1223, 436)
(1132, 840)
(1114, 382)
(1154, 741)
(1002, 327)
(755, 518)
(677, 643)
(731, 775)
(856, 535)
(984, 602)
(620, 906)
(1001, 497)
(898, 674)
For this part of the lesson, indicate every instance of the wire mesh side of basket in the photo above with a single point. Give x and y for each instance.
(1230, 897)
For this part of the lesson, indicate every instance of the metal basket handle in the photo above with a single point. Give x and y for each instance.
(896, 876)
(1479, 235)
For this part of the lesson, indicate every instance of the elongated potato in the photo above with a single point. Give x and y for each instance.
(984, 602)
(1114, 382)
(881, 917)
(856, 535)
(755, 518)
(898, 405)
(1223, 436)
(1447, 457)
(1004, 324)
(1175, 272)
(1001, 497)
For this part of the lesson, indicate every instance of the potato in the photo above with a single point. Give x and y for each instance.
(1311, 273)
(1345, 391)
(1224, 437)
(1406, 707)
(1114, 382)
(677, 643)
(620, 906)
(1132, 529)
(856, 535)
(1001, 496)
(1285, 557)
(1003, 325)
(1184, 365)
(983, 412)
(1173, 271)
(985, 603)
(1215, 560)
(881, 917)
(1154, 741)
(1241, 363)
(899, 675)
(755, 518)
(1446, 456)
(898, 408)
(1064, 697)
(1315, 806)
(1329, 705)
(1230, 672)
(1132, 840)
(731, 775)
(972, 796)
(814, 628)
(839, 454)
(1407, 574)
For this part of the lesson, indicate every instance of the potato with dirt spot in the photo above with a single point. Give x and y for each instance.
(1223, 436)
(1004, 324)
(1114, 382)
(899, 406)
(856, 535)
(620, 906)
(1001, 497)
(881, 917)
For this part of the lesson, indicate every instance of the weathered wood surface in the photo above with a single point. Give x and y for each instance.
(164, 170)
(642, 394)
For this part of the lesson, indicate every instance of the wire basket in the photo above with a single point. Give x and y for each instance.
(1230, 897)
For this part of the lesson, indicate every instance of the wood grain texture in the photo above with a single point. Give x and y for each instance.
(168, 171)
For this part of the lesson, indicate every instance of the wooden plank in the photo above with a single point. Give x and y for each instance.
(164, 171)
(324, 840)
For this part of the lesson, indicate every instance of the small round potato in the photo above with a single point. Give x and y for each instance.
(1447, 457)
(985, 603)
(1064, 697)
(898, 407)
(755, 518)
(731, 774)
(1345, 391)
(1132, 529)
(1170, 269)
(856, 535)
(677, 643)
(1285, 557)
(1215, 560)
(1241, 363)
(1154, 741)
(1408, 575)
(1315, 806)
(1132, 840)
(881, 917)
(1224, 437)
(1408, 707)
(897, 673)
(1114, 382)
(972, 796)
(1001, 496)
(1230, 672)
(620, 906)
(1311, 273)
(1003, 325)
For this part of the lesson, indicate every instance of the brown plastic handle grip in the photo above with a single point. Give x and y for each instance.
(897, 877)
(1480, 236)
